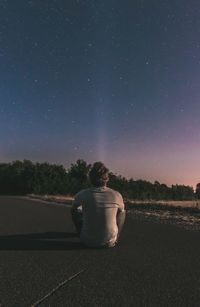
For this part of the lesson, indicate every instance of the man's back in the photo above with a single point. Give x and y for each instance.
(100, 206)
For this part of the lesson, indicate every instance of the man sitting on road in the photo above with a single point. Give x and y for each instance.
(103, 212)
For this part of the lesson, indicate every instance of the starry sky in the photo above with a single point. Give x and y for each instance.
(116, 81)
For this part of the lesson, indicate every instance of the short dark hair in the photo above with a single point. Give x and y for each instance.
(99, 174)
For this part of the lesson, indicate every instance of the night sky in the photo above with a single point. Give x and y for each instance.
(116, 81)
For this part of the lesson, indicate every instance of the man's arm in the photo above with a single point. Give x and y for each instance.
(121, 214)
(76, 204)
(77, 216)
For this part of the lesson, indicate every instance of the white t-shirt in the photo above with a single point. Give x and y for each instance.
(99, 206)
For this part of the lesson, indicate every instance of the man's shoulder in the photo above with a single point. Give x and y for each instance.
(90, 190)
(117, 198)
(114, 192)
(83, 192)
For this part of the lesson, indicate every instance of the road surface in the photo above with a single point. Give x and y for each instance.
(153, 265)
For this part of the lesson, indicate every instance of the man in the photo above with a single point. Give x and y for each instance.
(103, 212)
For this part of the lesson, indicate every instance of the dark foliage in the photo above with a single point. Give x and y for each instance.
(144, 190)
(25, 177)
(78, 176)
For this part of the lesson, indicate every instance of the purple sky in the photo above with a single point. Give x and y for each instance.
(116, 81)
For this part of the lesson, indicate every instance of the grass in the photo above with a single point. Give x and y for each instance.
(171, 203)
(188, 206)
(64, 199)
(192, 205)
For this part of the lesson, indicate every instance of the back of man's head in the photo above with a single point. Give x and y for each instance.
(99, 174)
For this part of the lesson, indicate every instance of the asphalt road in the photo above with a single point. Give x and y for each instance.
(153, 265)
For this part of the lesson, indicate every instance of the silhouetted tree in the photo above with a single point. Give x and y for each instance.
(49, 179)
(198, 191)
(182, 192)
(78, 176)
(23, 177)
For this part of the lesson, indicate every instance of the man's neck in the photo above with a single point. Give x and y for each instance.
(100, 186)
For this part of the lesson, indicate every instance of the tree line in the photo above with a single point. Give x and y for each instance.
(26, 177)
